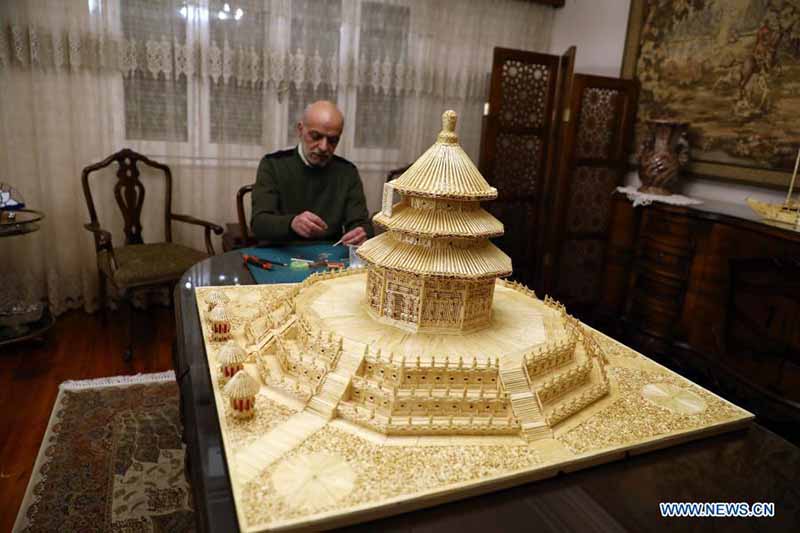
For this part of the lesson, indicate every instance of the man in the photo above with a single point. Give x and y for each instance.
(309, 193)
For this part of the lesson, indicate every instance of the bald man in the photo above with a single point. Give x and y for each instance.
(308, 193)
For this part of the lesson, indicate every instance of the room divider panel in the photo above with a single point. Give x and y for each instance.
(555, 145)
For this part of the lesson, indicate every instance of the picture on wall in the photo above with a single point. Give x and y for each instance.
(731, 68)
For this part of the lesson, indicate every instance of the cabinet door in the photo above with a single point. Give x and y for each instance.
(594, 144)
(517, 151)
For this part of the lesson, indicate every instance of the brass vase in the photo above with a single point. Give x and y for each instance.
(662, 154)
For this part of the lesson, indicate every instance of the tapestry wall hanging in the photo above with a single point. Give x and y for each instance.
(731, 68)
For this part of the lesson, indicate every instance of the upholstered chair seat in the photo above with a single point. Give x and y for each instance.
(148, 264)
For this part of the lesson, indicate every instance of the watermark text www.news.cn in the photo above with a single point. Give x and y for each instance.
(717, 509)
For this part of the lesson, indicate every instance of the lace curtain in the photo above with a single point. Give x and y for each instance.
(210, 86)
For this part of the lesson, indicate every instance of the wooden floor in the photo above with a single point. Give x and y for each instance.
(80, 346)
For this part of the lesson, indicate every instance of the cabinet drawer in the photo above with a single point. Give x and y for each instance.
(653, 314)
(664, 259)
(649, 292)
(675, 230)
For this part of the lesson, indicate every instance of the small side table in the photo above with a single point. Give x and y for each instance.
(16, 329)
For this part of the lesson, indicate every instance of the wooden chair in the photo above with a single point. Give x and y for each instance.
(245, 233)
(136, 265)
(238, 234)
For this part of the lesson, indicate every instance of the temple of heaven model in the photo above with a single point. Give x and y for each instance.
(426, 375)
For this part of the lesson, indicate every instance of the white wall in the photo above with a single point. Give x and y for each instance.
(597, 28)
(734, 193)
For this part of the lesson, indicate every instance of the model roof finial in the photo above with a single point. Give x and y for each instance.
(448, 134)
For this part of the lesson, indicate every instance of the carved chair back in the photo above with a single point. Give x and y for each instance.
(129, 192)
(244, 225)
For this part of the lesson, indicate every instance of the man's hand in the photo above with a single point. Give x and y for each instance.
(308, 225)
(355, 236)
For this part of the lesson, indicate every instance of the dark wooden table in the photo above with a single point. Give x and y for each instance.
(752, 465)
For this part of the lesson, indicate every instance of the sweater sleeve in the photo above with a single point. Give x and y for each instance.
(355, 211)
(267, 221)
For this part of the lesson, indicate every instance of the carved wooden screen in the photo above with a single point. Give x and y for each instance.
(516, 143)
(594, 145)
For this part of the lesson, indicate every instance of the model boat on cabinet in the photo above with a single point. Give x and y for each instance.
(788, 212)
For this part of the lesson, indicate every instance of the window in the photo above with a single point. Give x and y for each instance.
(383, 37)
(236, 105)
(207, 73)
(316, 29)
(155, 102)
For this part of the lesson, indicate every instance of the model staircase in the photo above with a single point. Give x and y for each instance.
(349, 363)
(334, 386)
(325, 401)
(524, 403)
(256, 457)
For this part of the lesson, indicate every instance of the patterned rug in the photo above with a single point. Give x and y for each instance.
(111, 460)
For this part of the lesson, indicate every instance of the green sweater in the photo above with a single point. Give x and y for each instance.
(285, 187)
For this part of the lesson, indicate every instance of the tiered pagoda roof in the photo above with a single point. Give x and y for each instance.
(439, 228)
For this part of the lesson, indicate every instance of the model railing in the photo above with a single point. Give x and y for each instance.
(560, 384)
(430, 424)
(569, 408)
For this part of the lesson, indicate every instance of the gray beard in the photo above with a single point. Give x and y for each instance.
(307, 160)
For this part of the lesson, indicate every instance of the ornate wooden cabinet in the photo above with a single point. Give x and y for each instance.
(555, 145)
(712, 291)
(673, 273)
